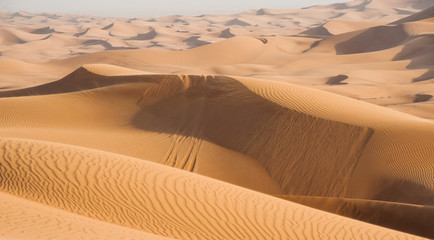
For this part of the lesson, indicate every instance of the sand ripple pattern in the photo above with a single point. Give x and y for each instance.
(44, 222)
(161, 200)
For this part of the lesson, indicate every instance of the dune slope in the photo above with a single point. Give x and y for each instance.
(157, 199)
(44, 222)
(276, 126)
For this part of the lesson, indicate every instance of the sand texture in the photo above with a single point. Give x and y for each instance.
(314, 123)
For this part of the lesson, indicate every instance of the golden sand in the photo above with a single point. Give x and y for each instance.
(251, 132)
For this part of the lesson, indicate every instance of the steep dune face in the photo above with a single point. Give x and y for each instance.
(156, 199)
(399, 142)
(226, 112)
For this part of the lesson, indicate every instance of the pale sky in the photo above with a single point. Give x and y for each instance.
(154, 8)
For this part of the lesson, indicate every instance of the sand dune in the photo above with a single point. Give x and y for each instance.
(192, 97)
(161, 200)
(8, 37)
(341, 18)
(106, 132)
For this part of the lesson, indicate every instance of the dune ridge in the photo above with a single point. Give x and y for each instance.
(225, 112)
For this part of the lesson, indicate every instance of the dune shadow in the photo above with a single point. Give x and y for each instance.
(145, 36)
(337, 80)
(290, 145)
(181, 21)
(422, 98)
(312, 46)
(237, 22)
(18, 14)
(226, 33)
(419, 51)
(194, 41)
(373, 39)
(107, 27)
(320, 32)
(429, 75)
(394, 190)
(81, 33)
(413, 219)
(45, 30)
(105, 44)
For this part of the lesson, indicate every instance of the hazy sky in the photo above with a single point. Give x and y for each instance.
(144, 8)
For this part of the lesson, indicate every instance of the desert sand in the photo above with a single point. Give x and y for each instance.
(313, 123)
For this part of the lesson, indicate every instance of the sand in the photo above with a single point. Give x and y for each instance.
(314, 123)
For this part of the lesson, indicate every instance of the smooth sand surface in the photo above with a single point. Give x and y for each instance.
(108, 131)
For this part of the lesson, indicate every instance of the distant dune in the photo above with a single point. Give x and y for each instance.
(268, 124)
